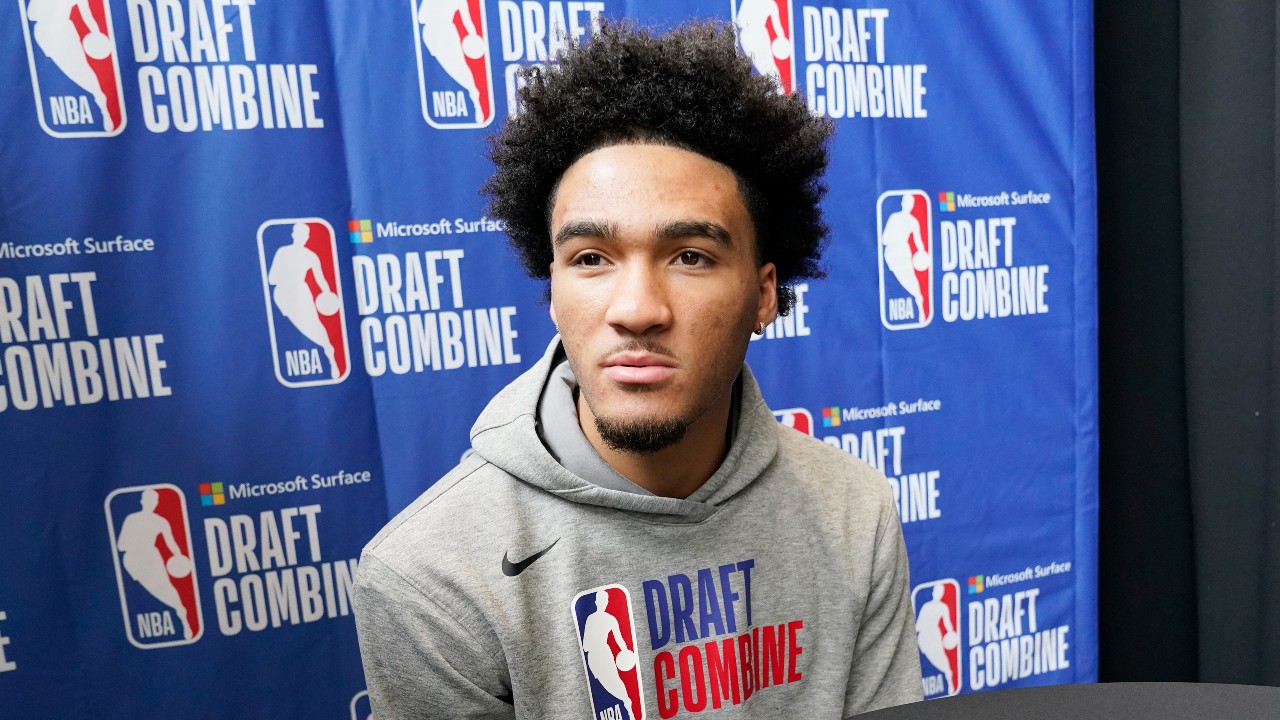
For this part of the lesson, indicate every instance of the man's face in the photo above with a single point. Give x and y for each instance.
(654, 285)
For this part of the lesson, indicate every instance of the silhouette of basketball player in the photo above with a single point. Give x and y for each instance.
(142, 560)
(899, 231)
(751, 20)
(292, 294)
(441, 38)
(933, 625)
(59, 40)
(595, 641)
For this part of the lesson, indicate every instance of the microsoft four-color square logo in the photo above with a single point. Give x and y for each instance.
(975, 584)
(831, 416)
(360, 231)
(211, 494)
(946, 202)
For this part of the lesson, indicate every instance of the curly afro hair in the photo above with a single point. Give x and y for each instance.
(691, 89)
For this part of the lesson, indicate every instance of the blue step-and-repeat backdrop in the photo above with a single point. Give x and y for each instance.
(250, 304)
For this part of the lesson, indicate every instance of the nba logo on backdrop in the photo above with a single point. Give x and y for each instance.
(75, 69)
(797, 418)
(305, 314)
(765, 31)
(151, 544)
(608, 640)
(455, 77)
(937, 607)
(905, 241)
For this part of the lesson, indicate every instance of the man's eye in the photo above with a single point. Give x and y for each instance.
(691, 258)
(588, 260)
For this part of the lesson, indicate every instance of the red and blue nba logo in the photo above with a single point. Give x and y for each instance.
(305, 313)
(797, 418)
(608, 640)
(905, 242)
(151, 543)
(765, 31)
(455, 77)
(937, 608)
(75, 71)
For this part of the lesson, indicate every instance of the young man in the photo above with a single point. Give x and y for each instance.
(635, 535)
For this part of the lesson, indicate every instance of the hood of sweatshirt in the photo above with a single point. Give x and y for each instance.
(506, 435)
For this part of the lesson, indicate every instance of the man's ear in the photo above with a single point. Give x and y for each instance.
(767, 308)
(551, 304)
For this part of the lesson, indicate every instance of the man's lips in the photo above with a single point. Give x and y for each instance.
(639, 368)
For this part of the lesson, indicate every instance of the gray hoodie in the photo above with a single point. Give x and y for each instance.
(513, 588)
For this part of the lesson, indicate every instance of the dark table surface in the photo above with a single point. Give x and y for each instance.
(1127, 701)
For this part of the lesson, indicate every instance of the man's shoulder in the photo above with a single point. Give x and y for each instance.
(801, 448)
(813, 462)
(466, 501)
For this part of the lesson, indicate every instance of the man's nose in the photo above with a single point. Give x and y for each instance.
(639, 302)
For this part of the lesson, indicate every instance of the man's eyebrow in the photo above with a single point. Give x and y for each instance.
(585, 228)
(695, 228)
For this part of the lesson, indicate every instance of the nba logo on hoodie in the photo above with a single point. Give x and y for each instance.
(151, 544)
(455, 77)
(937, 608)
(299, 262)
(905, 249)
(75, 71)
(608, 641)
(766, 35)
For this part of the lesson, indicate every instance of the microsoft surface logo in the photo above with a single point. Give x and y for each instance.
(211, 494)
(831, 416)
(975, 584)
(361, 231)
(946, 202)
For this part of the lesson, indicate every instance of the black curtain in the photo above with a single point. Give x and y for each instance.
(1189, 566)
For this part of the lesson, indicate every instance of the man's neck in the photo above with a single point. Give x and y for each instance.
(676, 471)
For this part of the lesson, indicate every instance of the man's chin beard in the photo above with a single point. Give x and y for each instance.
(641, 437)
